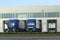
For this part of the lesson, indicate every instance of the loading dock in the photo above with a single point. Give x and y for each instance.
(5, 25)
(39, 24)
(52, 25)
(22, 25)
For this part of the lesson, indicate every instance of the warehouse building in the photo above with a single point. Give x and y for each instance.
(47, 17)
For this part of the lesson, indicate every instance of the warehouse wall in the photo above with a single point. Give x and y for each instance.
(29, 9)
(44, 25)
(58, 25)
(1, 25)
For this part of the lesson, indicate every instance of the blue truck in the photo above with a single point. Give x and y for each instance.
(13, 25)
(31, 25)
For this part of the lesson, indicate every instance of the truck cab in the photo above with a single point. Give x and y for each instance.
(31, 25)
(13, 25)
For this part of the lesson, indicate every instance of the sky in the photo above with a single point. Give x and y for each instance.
(8, 3)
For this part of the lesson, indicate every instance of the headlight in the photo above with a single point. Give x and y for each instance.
(12, 24)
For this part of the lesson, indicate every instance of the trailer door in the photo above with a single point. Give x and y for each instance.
(52, 25)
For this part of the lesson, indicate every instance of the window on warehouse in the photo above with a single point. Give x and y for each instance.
(52, 14)
(1, 15)
(46, 14)
(15, 15)
(7, 15)
(59, 14)
(37, 15)
(42, 14)
(22, 15)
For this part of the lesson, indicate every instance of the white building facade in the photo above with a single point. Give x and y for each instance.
(43, 13)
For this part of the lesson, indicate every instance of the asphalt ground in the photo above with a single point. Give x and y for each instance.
(31, 38)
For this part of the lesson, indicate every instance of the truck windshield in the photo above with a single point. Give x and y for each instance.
(30, 24)
(11, 25)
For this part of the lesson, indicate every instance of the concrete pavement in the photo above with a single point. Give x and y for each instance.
(31, 38)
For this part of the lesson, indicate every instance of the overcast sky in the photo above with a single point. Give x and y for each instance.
(8, 3)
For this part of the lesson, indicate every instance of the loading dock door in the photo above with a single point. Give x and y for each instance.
(22, 25)
(52, 25)
(39, 29)
(5, 25)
